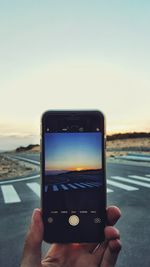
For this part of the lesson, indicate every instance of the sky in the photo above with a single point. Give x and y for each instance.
(72, 151)
(73, 55)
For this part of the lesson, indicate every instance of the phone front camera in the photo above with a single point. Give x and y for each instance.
(81, 129)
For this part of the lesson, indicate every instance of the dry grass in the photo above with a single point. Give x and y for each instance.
(123, 146)
(10, 168)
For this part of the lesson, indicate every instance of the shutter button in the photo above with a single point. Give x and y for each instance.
(73, 220)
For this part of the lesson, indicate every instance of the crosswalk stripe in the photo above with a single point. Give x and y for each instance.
(73, 186)
(109, 190)
(82, 186)
(93, 183)
(20, 179)
(139, 178)
(9, 194)
(46, 188)
(120, 185)
(35, 187)
(64, 187)
(55, 188)
(86, 184)
(130, 181)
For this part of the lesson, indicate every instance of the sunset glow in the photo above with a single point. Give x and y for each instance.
(79, 169)
(66, 56)
(72, 152)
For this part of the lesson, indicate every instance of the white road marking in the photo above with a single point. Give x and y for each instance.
(121, 185)
(9, 194)
(139, 178)
(46, 188)
(130, 181)
(73, 186)
(64, 187)
(26, 159)
(20, 179)
(109, 190)
(86, 184)
(137, 158)
(94, 184)
(55, 188)
(82, 186)
(97, 183)
(35, 187)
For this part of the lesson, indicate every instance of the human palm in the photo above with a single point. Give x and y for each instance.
(72, 254)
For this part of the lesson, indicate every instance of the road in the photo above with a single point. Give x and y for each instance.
(128, 188)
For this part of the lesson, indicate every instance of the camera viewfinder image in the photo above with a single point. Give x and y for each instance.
(73, 169)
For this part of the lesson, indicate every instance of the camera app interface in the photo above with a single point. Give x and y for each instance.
(73, 177)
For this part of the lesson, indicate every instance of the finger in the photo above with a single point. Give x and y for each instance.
(32, 248)
(61, 250)
(99, 252)
(89, 247)
(111, 253)
(113, 214)
(111, 234)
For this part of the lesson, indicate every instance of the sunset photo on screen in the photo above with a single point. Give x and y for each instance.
(73, 160)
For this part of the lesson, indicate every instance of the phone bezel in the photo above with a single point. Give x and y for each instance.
(70, 113)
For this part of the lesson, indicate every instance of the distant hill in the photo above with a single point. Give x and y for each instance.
(89, 171)
(92, 175)
(127, 135)
(27, 148)
(118, 136)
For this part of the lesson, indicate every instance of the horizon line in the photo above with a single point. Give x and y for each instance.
(21, 135)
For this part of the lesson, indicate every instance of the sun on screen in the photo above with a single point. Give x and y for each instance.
(79, 169)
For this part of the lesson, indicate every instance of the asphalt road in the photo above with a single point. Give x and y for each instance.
(128, 188)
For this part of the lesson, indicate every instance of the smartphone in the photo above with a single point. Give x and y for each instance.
(73, 185)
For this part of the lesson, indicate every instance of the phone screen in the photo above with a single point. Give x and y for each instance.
(74, 185)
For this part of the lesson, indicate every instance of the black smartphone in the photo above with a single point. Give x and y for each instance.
(73, 188)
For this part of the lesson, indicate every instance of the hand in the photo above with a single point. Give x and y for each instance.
(72, 255)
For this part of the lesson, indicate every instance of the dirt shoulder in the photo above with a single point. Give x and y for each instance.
(10, 168)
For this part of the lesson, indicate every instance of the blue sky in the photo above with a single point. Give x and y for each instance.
(72, 151)
(73, 54)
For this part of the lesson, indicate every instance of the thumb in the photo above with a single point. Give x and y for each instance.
(32, 247)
